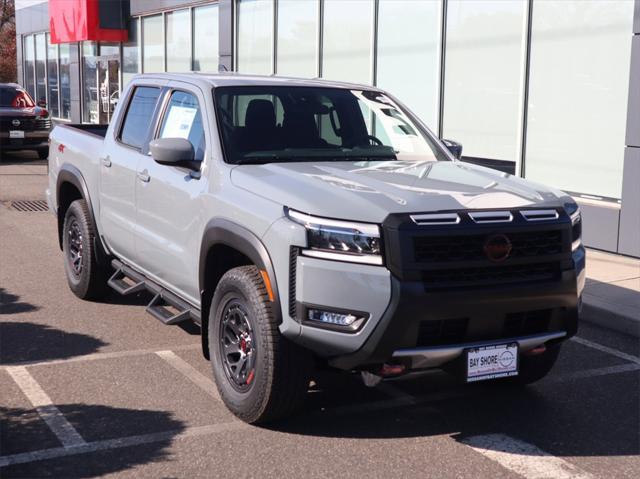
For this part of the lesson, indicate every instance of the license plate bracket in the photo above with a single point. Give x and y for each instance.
(492, 361)
(16, 134)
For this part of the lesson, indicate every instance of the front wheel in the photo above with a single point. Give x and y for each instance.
(261, 376)
(86, 277)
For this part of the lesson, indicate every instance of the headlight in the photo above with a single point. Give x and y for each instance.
(340, 240)
(573, 210)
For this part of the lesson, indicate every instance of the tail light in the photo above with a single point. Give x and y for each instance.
(22, 100)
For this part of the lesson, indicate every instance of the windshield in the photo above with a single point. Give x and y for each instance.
(264, 124)
(12, 97)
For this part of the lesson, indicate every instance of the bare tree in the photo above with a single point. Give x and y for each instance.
(7, 41)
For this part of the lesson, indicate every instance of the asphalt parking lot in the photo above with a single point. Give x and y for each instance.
(103, 389)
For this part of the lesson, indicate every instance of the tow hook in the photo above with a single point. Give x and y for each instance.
(372, 378)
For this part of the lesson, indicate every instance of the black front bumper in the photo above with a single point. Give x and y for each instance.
(417, 317)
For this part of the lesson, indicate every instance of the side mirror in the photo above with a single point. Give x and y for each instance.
(454, 147)
(174, 152)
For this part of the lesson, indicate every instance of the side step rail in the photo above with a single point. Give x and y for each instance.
(165, 306)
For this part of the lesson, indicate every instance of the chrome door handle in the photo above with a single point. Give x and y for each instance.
(144, 176)
(106, 161)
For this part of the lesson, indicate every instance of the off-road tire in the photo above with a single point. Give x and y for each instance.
(90, 282)
(281, 368)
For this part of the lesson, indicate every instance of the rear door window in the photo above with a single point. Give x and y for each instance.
(183, 119)
(135, 128)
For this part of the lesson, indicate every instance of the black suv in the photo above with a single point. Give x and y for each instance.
(23, 124)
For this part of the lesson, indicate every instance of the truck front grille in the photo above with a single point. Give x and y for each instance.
(26, 123)
(442, 249)
(492, 275)
(459, 254)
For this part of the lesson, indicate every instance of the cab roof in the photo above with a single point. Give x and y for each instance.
(239, 79)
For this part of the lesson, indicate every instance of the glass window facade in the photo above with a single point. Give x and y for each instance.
(255, 36)
(483, 90)
(131, 52)
(41, 69)
(53, 85)
(347, 40)
(578, 95)
(178, 39)
(89, 83)
(153, 44)
(205, 39)
(409, 34)
(65, 81)
(297, 38)
(29, 55)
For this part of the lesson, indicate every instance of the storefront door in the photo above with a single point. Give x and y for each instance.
(108, 87)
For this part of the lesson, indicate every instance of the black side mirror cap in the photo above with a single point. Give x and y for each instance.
(174, 152)
(454, 147)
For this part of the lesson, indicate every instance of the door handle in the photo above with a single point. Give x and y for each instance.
(144, 176)
(106, 161)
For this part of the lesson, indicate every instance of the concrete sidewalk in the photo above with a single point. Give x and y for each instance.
(612, 293)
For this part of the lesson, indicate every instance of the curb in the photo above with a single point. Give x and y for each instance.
(606, 318)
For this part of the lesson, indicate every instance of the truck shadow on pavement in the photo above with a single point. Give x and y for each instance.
(10, 304)
(20, 342)
(22, 431)
(597, 417)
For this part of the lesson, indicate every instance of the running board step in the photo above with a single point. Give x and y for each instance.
(124, 283)
(165, 306)
(168, 311)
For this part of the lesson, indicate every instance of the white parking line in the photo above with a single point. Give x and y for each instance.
(169, 436)
(98, 356)
(195, 376)
(65, 432)
(606, 349)
(523, 458)
(595, 372)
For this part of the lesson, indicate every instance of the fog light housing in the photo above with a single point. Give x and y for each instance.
(347, 321)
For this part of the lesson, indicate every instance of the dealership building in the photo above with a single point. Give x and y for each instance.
(544, 89)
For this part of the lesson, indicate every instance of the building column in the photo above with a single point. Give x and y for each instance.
(226, 30)
(629, 235)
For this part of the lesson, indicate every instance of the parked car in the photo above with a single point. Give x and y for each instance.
(304, 223)
(23, 124)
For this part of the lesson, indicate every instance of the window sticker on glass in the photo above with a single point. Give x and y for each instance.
(179, 121)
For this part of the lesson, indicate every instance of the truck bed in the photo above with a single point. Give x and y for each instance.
(98, 130)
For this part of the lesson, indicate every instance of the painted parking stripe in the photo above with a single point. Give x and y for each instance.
(595, 372)
(64, 431)
(99, 356)
(606, 349)
(523, 458)
(191, 373)
(130, 441)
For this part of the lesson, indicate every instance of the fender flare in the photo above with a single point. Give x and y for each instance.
(71, 174)
(224, 232)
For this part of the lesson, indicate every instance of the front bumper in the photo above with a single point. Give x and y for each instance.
(33, 140)
(530, 314)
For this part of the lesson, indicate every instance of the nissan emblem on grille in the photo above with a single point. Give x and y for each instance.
(497, 248)
(15, 122)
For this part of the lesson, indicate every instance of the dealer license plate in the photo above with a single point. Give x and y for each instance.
(16, 134)
(491, 362)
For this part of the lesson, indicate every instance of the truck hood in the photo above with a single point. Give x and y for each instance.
(369, 191)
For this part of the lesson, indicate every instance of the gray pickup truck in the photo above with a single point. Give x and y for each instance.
(308, 224)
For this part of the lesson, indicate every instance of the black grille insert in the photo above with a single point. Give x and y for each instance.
(444, 331)
(443, 249)
(529, 322)
(461, 277)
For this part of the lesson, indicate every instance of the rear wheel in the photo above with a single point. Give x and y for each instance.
(86, 278)
(261, 376)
